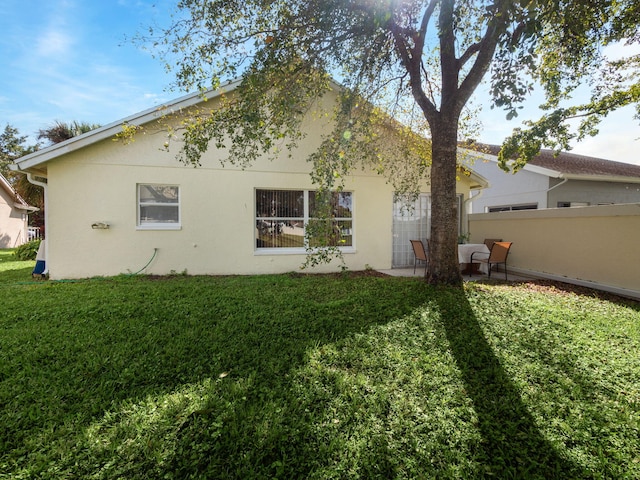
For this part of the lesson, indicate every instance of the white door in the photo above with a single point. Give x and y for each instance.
(410, 222)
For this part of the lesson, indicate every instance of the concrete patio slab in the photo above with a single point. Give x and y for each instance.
(419, 272)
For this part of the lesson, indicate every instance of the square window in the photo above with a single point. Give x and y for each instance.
(158, 206)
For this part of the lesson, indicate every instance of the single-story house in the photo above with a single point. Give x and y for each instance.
(14, 213)
(552, 181)
(114, 208)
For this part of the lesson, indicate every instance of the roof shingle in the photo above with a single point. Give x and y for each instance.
(571, 163)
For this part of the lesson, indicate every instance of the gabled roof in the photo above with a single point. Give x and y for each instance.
(18, 201)
(34, 161)
(477, 180)
(571, 165)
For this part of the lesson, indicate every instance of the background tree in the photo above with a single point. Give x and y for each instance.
(56, 133)
(12, 146)
(571, 56)
(61, 131)
(418, 61)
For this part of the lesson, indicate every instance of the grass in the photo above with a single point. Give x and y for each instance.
(13, 270)
(320, 377)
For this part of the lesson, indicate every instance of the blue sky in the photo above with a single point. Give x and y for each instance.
(70, 60)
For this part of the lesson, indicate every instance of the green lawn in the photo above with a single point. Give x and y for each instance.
(315, 377)
(13, 270)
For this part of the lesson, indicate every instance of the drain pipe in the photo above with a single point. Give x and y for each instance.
(475, 197)
(466, 204)
(46, 220)
(564, 180)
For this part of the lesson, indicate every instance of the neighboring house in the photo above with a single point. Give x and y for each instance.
(14, 212)
(113, 208)
(549, 181)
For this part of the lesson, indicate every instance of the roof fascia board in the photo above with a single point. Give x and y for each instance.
(6, 185)
(49, 153)
(479, 179)
(10, 190)
(19, 202)
(473, 175)
(25, 207)
(601, 178)
(544, 171)
(557, 174)
(528, 167)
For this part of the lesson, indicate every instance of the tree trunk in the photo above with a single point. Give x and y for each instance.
(443, 242)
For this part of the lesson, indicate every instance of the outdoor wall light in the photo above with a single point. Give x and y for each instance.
(100, 225)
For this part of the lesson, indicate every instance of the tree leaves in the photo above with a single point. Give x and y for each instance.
(406, 66)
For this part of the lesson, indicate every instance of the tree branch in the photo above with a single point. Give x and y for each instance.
(413, 66)
(424, 25)
(469, 52)
(449, 67)
(484, 51)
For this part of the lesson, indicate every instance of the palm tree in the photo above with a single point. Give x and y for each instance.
(61, 131)
(56, 133)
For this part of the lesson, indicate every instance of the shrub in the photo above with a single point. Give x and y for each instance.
(27, 251)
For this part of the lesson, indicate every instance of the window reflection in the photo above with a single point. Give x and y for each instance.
(284, 216)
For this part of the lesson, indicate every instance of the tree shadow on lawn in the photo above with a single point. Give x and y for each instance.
(511, 438)
(175, 379)
(17, 276)
(225, 387)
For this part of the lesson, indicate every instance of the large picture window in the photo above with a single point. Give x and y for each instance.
(158, 206)
(283, 217)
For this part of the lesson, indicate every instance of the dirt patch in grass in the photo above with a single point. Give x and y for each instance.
(561, 288)
(549, 287)
(346, 274)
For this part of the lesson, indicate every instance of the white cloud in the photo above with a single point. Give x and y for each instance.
(618, 138)
(54, 43)
(66, 64)
(618, 50)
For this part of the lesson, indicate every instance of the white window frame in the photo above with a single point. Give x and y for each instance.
(511, 208)
(572, 204)
(159, 225)
(306, 217)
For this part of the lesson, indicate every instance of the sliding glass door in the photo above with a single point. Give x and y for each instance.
(410, 222)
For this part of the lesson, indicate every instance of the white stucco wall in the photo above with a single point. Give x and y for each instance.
(217, 235)
(529, 186)
(595, 193)
(595, 246)
(217, 218)
(524, 187)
